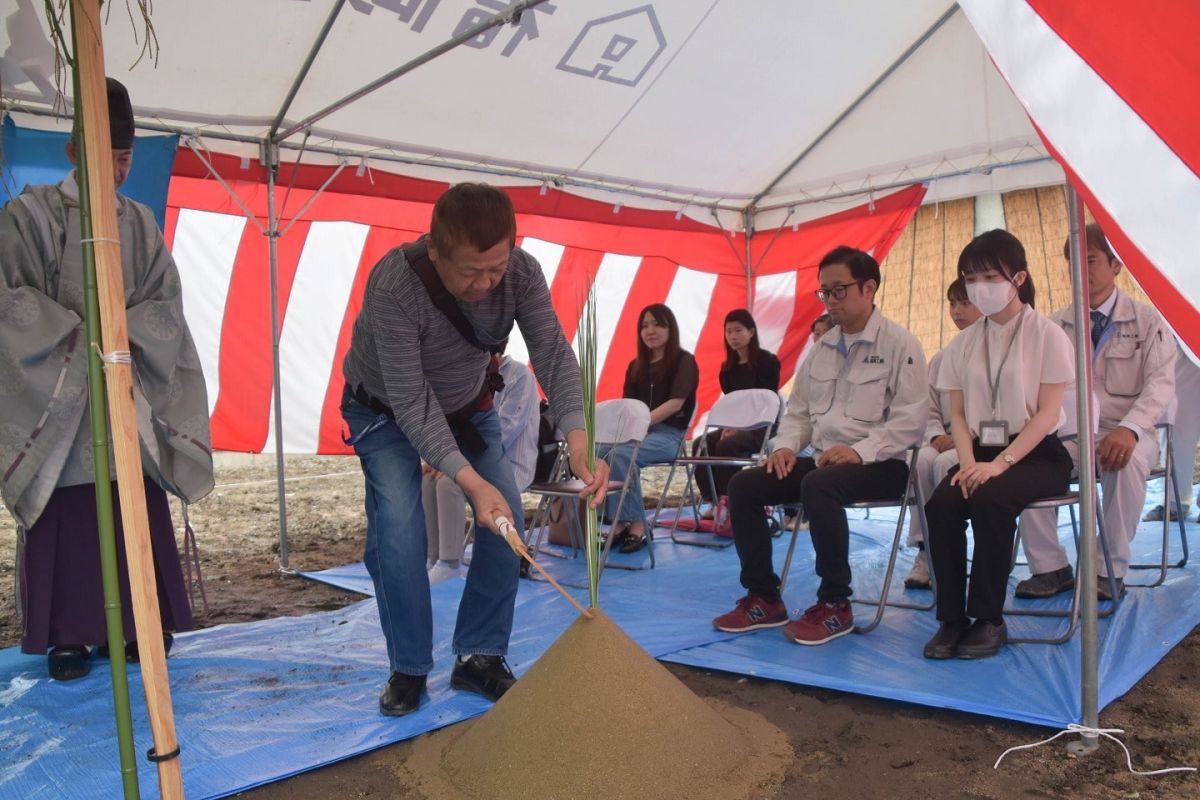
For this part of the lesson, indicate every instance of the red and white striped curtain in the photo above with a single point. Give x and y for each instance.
(1111, 89)
(632, 258)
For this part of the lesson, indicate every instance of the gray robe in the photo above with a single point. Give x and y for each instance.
(45, 435)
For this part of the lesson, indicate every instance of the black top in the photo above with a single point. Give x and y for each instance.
(762, 374)
(655, 388)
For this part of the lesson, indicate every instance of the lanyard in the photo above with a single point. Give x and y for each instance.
(994, 384)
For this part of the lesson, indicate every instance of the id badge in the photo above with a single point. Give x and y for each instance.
(993, 434)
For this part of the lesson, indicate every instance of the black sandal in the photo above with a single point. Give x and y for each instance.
(619, 536)
(632, 545)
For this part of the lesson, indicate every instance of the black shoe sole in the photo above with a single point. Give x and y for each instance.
(1044, 595)
(398, 711)
(466, 685)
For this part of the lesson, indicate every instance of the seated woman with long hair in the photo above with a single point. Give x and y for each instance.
(664, 377)
(746, 366)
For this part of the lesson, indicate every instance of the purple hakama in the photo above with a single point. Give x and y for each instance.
(61, 587)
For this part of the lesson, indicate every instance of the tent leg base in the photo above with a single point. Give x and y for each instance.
(1085, 745)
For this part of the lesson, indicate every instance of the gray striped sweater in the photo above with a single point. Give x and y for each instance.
(406, 352)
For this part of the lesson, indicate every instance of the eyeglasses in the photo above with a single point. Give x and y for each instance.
(837, 291)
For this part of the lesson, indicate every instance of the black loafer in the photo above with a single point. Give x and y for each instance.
(485, 675)
(944, 643)
(983, 639)
(68, 663)
(402, 695)
(631, 544)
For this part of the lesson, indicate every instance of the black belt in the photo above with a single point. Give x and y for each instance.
(465, 432)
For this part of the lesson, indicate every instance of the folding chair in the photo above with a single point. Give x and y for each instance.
(618, 422)
(912, 497)
(1070, 500)
(743, 410)
(1171, 497)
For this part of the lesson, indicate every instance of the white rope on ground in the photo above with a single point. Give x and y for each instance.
(272, 481)
(1107, 733)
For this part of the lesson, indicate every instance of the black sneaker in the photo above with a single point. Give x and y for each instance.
(485, 675)
(1046, 584)
(402, 695)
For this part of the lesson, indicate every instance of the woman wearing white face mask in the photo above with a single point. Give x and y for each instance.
(1006, 375)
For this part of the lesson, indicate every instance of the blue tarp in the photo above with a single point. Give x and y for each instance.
(260, 701)
(32, 157)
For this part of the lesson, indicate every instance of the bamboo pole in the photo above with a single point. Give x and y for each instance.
(92, 109)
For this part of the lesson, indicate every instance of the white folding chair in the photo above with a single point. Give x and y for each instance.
(743, 410)
(912, 497)
(618, 422)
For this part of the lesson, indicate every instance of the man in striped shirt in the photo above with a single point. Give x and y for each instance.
(418, 388)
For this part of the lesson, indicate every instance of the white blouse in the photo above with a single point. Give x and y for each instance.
(1040, 352)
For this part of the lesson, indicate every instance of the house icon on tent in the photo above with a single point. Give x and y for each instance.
(619, 48)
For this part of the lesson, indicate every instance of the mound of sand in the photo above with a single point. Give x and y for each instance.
(598, 717)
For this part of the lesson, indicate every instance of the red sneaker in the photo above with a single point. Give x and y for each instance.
(752, 613)
(821, 623)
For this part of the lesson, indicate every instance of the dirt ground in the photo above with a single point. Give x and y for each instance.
(848, 747)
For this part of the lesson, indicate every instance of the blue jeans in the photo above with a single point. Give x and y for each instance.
(396, 547)
(661, 445)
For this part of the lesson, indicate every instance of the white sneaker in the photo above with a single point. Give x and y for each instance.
(918, 576)
(441, 571)
(429, 562)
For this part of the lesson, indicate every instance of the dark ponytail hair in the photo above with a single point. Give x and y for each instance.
(998, 250)
(742, 317)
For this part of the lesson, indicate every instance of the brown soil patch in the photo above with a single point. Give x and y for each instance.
(598, 717)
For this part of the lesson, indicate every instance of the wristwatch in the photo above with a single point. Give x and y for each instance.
(1007, 459)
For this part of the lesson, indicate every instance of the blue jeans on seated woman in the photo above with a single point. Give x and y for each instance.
(660, 446)
(396, 546)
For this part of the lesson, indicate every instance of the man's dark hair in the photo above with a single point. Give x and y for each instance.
(957, 290)
(824, 319)
(998, 250)
(863, 267)
(1095, 239)
(475, 214)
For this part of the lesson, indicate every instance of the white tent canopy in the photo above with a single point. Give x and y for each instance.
(682, 102)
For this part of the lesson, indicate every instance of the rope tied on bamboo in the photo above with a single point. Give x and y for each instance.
(113, 357)
(108, 239)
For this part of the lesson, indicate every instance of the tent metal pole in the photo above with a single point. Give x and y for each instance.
(305, 67)
(224, 185)
(313, 198)
(271, 162)
(748, 224)
(1088, 662)
(887, 73)
(876, 188)
(502, 18)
